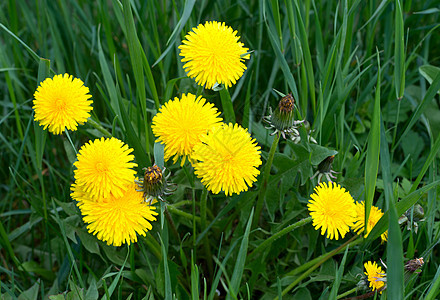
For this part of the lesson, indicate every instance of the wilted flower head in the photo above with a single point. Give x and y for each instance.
(213, 54)
(325, 169)
(62, 102)
(415, 214)
(154, 184)
(283, 118)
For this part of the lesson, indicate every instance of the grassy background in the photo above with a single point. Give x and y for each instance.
(346, 62)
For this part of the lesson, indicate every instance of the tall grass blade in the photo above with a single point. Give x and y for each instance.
(399, 52)
(241, 260)
(373, 150)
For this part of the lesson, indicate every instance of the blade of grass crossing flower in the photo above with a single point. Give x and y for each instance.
(338, 277)
(241, 260)
(373, 149)
(403, 205)
(228, 109)
(40, 134)
(399, 52)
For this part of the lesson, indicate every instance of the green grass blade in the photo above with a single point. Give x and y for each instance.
(188, 8)
(228, 109)
(241, 260)
(338, 276)
(399, 52)
(373, 149)
(434, 287)
(395, 287)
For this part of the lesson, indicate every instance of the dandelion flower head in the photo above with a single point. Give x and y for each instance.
(227, 159)
(104, 168)
(213, 54)
(375, 215)
(375, 275)
(180, 123)
(332, 209)
(116, 220)
(62, 102)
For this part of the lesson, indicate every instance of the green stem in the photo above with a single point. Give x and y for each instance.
(153, 245)
(99, 127)
(279, 234)
(171, 222)
(70, 141)
(228, 108)
(263, 187)
(347, 293)
(319, 261)
(178, 212)
(207, 246)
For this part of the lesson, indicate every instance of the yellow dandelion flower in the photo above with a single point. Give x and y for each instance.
(213, 54)
(375, 215)
(180, 123)
(116, 220)
(104, 167)
(376, 276)
(228, 159)
(332, 209)
(62, 102)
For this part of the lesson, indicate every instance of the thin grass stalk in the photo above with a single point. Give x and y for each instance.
(266, 174)
(323, 258)
(277, 235)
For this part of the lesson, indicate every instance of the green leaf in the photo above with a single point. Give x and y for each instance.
(338, 277)
(373, 150)
(241, 260)
(399, 52)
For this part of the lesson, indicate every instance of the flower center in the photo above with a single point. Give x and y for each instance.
(101, 168)
(60, 105)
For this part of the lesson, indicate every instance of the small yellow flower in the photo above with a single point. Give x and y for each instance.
(116, 220)
(62, 102)
(180, 123)
(376, 276)
(375, 215)
(213, 54)
(332, 209)
(228, 159)
(104, 167)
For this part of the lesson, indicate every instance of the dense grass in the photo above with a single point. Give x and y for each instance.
(355, 70)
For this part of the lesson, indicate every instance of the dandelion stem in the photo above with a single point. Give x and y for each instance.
(279, 234)
(171, 222)
(207, 246)
(178, 212)
(347, 293)
(99, 127)
(263, 186)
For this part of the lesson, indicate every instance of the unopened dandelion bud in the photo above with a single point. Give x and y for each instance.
(283, 117)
